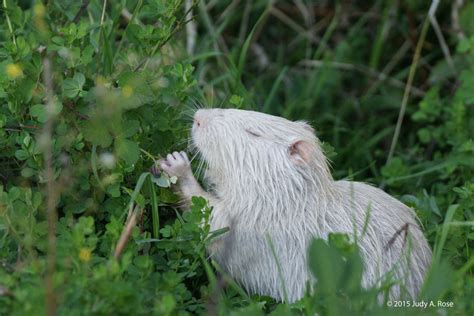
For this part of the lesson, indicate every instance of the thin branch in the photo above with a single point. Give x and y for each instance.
(81, 11)
(178, 27)
(12, 129)
(439, 34)
(130, 17)
(390, 66)
(396, 57)
(126, 233)
(79, 114)
(457, 4)
(51, 188)
(191, 28)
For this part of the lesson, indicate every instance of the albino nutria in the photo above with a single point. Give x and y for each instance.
(271, 180)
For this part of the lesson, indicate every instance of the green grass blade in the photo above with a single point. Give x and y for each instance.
(248, 41)
(94, 167)
(154, 209)
(138, 188)
(444, 233)
(280, 270)
(271, 95)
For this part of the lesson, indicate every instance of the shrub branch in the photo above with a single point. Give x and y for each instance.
(52, 193)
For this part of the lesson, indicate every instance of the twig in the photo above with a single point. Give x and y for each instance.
(191, 28)
(81, 11)
(439, 34)
(28, 126)
(51, 188)
(126, 14)
(396, 57)
(126, 232)
(390, 66)
(12, 129)
(362, 69)
(408, 87)
(457, 4)
(130, 17)
(79, 114)
(182, 22)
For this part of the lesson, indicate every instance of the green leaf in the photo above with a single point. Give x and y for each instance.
(236, 100)
(131, 128)
(163, 181)
(114, 190)
(135, 90)
(21, 154)
(72, 87)
(438, 280)
(127, 150)
(27, 172)
(39, 112)
(3, 120)
(97, 133)
(337, 266)
(14, 194)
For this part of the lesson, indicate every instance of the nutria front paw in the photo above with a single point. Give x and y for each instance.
(175, 165)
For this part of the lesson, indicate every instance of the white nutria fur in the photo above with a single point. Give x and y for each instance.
(271, 180)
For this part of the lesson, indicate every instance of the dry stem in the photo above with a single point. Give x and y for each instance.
(126, 232)
(51, 188)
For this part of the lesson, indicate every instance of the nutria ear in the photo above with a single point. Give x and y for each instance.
(300, 152)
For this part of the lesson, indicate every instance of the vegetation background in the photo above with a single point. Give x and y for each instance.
(92, 92)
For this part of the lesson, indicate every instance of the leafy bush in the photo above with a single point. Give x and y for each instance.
(118, 93)
(93, 92)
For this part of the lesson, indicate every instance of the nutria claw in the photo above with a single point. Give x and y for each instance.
(155, 170)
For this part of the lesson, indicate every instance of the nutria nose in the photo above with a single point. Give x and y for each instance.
(197, 122)
(198, 118)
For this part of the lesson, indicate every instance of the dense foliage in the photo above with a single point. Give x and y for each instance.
(92, 92)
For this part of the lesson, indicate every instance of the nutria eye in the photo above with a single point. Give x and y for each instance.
(252, 133)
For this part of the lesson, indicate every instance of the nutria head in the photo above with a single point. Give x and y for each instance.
(259, 152)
